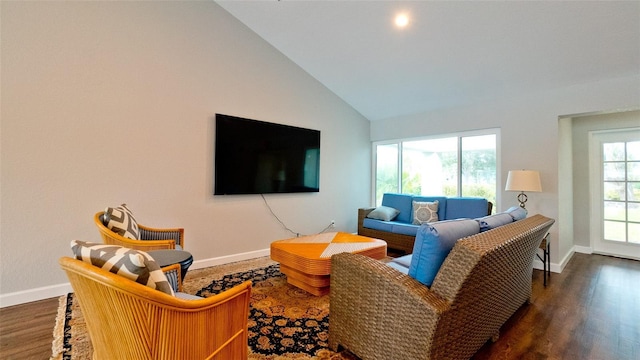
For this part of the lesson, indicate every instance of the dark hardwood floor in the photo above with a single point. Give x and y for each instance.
(590, 311)
(26, 331)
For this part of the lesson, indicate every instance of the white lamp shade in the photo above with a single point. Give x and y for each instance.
(523, 180)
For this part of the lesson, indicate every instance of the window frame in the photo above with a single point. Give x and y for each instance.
(459, 135)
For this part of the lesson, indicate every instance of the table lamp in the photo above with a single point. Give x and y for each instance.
(523, 180)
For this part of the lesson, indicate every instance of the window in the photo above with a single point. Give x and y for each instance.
(621, 190)
(454, 165)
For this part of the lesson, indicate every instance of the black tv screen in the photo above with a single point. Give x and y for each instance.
(257, 157)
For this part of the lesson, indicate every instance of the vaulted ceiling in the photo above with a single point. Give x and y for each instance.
(452, 53)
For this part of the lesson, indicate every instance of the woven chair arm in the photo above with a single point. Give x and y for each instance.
(375, 309)
(148, 233)
(173, 274)
(212, 328)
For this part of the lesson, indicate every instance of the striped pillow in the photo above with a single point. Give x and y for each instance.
(120, 220)
(132, 264)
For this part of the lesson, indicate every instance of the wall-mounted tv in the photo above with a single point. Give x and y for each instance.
(257, 157)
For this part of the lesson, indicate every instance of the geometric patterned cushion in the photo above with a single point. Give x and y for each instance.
(120, 220)
(132, 264)
(425, 212)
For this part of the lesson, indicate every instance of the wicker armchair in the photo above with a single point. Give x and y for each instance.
(379, 313)
(127, 320)
(150, 238)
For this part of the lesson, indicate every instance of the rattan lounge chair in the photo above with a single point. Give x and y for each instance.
(128, 320)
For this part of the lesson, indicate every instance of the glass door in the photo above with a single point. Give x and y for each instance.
(615, 179)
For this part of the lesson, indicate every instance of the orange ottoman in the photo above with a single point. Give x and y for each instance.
(306, 260)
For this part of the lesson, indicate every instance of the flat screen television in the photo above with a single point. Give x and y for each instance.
(257, 157)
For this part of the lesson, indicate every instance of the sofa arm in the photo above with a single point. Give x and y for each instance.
(376, 310)
(362, 214)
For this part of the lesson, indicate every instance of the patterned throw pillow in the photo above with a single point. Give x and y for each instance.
(425, 212)
(129, 263)
(120, 220)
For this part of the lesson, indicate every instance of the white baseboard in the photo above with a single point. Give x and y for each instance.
(537, 264)
(559, 267)
(200, 264)
(46, 292)
(583, 249)
(25, 296)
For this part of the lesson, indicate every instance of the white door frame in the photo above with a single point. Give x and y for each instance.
(598, 244)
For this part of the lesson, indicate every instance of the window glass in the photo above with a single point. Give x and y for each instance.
(621, 191)
(430, 167)
(386, 170)
(479, 166)
(445, 166)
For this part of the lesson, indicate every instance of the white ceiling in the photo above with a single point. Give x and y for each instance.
(453, 53)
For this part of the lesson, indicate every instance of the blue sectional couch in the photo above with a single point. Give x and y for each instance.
(395, 220)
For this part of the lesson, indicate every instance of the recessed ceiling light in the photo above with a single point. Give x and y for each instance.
(402, 20)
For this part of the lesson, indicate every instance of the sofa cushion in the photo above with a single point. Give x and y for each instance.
(466, 207)
(493, 221)
(185, 296)
(399, 267)
(377, 224)
(433, 244)
(404, 229)
(425, 212)
(120, 220)
(384, 213)
(403, 260)
(517, 212)
(132, 264)
(401, 202)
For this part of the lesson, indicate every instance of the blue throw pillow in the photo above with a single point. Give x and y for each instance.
(384, 213)
(493, 221)
(433, 244)
(517, 212)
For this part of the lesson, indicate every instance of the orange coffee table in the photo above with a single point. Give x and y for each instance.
(306, 260)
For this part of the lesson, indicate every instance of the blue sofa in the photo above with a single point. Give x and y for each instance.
(394, 221)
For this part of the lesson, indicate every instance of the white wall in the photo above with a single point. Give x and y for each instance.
(112, 102)
(530, 137)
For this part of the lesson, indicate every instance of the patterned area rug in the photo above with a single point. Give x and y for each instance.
(284, 322)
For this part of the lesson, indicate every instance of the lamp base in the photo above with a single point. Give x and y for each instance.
(522, 198)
